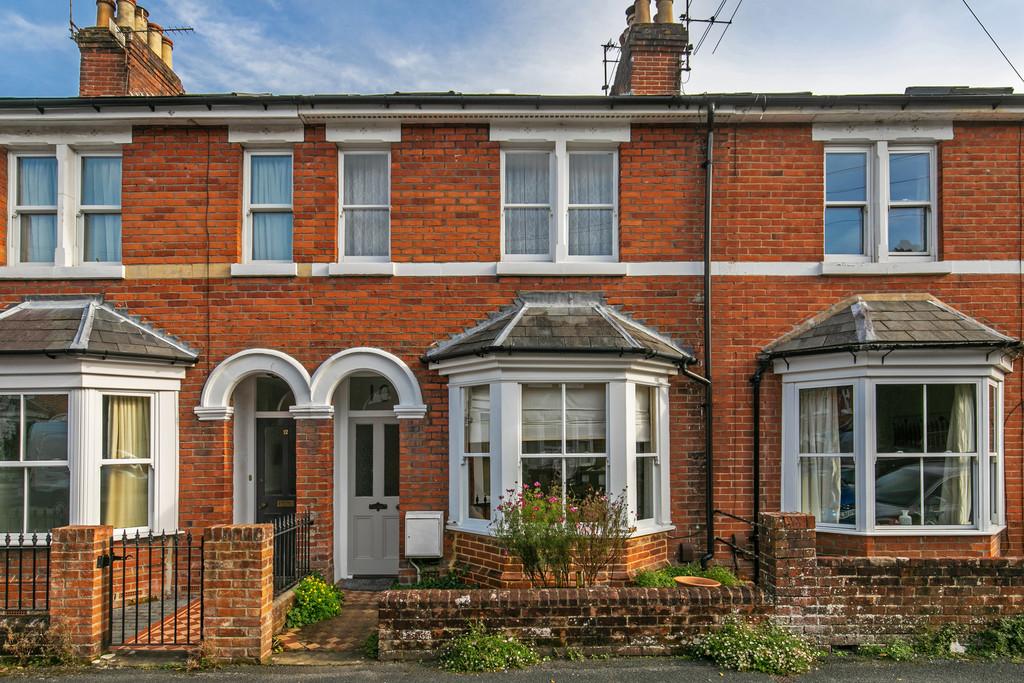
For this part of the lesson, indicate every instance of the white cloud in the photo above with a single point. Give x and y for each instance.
(23, 35)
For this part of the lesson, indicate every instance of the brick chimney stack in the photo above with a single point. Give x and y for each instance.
(652, 52)
(124, 54)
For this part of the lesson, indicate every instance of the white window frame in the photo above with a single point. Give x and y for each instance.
(550, 206)
(248, 208)
(464, 457)
(23, 465)
(865, 371)
(104, 461)
(343, 205)
(17, 210)
(877, 203)
(658, 417)
(84, 209)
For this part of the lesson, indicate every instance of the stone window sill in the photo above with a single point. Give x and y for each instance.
(385, 269)
(570, 268)
(887, 268)
(912, 531)
(264, 269)
(49, 272)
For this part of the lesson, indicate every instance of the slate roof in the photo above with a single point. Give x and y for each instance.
(560, 322)
(880, 321)
(85, 326)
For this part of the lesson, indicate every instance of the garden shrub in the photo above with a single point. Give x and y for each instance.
(937, 643)
(665, 577)
(453, 580)
(478, 651)
(39, 645)
(315, 600)
(599, 526)
(762, 647)
(1003, 638)
(371, 646)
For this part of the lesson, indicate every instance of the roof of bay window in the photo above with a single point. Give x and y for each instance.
(85, 326)
(560, 322)
(887, 321)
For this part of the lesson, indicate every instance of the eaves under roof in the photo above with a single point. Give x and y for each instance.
(85, 326)
(888, 321)
(561, 323)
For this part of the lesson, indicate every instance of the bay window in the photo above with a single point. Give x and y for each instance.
(646, 411)
(126, 461)
(477, 450)
(827, 469)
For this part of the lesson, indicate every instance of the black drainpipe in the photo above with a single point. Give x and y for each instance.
(709, 471)
(755, 383)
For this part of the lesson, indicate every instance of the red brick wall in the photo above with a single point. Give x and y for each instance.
(107, 69)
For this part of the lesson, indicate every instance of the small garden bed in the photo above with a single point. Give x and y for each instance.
(665, 577)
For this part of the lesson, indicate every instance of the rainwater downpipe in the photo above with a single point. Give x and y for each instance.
(709, 471)
(755, 385)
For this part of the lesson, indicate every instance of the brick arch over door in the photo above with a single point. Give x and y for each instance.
(215, 402)
(365, 359)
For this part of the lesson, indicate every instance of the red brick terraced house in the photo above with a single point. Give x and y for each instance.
(390, 309)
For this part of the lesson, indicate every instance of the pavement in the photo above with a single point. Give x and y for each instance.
(840, 670)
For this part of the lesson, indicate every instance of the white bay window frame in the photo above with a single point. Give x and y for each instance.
(506, 375)
(865, 371)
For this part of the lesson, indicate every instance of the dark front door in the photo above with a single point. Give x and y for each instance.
(275, 467)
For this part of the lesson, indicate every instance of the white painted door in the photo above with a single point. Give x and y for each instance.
(373, 496)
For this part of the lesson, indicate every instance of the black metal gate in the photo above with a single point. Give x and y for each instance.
(155, 590)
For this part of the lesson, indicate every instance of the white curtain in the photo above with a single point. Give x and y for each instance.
(956, 479)
(366, 184)
(271, 231)
(124, 498)
(37, 181)
(366, 232)
(644, 419)
(478, 419)
(590, 182)
(819, 433)
(38, 237)
(101, 181)
(103, 237)
(527, 181)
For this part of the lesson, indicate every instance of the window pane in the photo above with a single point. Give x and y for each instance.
(101, 181)
(366, 179)
(37, 181)
(994, 410)
(271, 179)
(10, 428)
(844, 230)
(909, 177)
(585, 420)
(908, 230)
(273, 394)
(127, 433)
(826, 420)
(48, 497)
(846, 177)
(371, 393)
(527, 231)
(590, 179)
(898, 491)
(948, 487)
(391, 460)
(102, 237)
(479, 488)
(366, 232)
(124, 495)
(527, 178)
(993, 490)
(46, 427)
(584, 476)
(542, 418)
(38, 237)
(828, 489)
(12, 493)
(646, 405)
(477, 433)
(591, 232)
(899, 413)
(364, 460)
(645, 487)
(276, 452)
(950, 418)
(544, 471)
(272, 236)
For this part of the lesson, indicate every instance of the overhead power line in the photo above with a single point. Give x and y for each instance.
(982, 25)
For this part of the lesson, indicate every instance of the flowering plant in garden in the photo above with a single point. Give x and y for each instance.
(600, 527)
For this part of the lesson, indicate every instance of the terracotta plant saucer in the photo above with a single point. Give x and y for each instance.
(697, 581)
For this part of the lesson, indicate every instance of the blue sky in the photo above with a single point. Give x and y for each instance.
(527, 46)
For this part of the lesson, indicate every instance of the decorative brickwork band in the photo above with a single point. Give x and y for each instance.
(78, 590)
(238, 592)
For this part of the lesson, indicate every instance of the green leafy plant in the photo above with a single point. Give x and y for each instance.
(665, 577)
(599, 527)
(898, 650)
(478, 650)
(455, 579)
(574, 654)
(371, 646)
(1003, 638)
(937, 643)
(315, 600)
(531, 526)
(762, 647)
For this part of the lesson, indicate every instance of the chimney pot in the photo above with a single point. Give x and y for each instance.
(156, 38)
(630, 15)
(104, 12)
(167, 52)
(141, 23)
(126, 14)
(665, 13)
(642, 12)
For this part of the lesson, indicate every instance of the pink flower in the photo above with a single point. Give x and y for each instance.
(536, 509)
(536, 484)
(552, 499)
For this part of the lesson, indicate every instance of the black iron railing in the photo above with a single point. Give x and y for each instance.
(26, 574)
(292, 534)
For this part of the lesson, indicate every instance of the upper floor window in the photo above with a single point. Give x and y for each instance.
(559, 204)
(35, 208)
(100, 208)
(880, 202)
(365, 205)
(269, 206)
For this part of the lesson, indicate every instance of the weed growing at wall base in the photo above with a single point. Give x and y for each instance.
(478, 651)
(762, 647)
(315, 600)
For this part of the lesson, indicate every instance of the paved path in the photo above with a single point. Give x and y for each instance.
(654, 670)
(345, 633)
